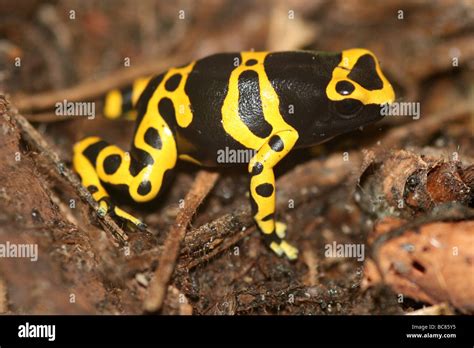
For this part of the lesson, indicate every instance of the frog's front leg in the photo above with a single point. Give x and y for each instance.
(262, 191)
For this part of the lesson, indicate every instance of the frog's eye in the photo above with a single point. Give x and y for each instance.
(344, 87)
(348, 108)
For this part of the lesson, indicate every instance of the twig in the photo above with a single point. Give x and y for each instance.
(44, 117)
(226, 244)
(424, 128)
(204, 239)
(213, 237)
(34, 138)
(157, 290)
(311, 261)
(91, 89)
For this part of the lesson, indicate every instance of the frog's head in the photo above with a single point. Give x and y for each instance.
(357, 90)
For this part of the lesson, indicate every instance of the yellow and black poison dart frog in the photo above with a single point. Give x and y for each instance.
(264, 102)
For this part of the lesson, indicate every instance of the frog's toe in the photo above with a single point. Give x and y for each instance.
(289, 250)
(276, 248)
(280, 229)
(142, 226)
(120, 213)
(103, 208)
(101, 211)
(284, 249)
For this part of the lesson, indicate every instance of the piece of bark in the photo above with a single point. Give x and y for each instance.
(445, 183)
(405, 183)
(432, 263)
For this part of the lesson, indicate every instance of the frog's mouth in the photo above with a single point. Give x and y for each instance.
(348, 108)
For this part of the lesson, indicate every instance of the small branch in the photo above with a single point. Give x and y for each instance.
(226, 244)
(157, 290)
(44, 117)
(91, 89)
(206, 238)
(424, 128)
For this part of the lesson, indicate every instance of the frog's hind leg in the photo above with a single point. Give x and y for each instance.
(140, 173)
(84, 153)
(121, 103)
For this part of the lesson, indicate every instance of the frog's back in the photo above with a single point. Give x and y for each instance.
(207, 86)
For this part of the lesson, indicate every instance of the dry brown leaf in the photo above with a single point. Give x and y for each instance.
(433, 263)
